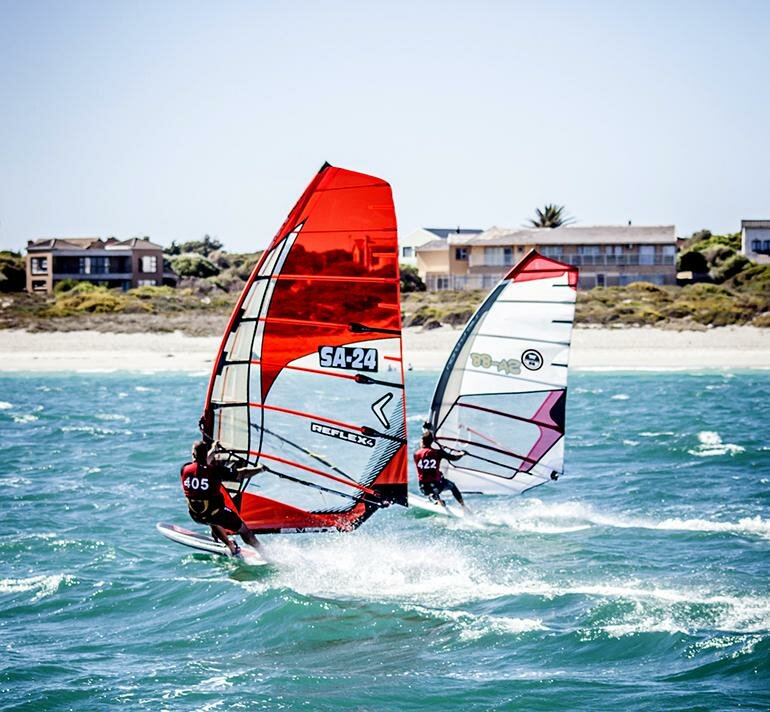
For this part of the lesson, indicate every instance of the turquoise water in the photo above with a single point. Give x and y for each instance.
(638, 581)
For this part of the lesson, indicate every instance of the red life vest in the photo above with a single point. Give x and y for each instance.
(200, 481)
(428, 461)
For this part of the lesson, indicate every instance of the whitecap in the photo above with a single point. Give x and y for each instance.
(553, 518)
(25, 418)
(43, 586)
(711, 445)
(112, 416)
(620, 396)
(5, 405)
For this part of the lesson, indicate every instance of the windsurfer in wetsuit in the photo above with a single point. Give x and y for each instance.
(428, 461)
(207, 499)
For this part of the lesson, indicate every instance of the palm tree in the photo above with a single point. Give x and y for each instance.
(551, 216)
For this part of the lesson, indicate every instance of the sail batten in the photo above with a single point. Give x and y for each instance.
(318, 318)
(501, 396)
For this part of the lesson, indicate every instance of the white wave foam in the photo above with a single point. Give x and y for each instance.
(142, 389)
(711, 445)
(371, 568)
(93, 430)
(473, 627)
(620, 396)
(43, 586)
(5, 405)
(653, 434)
(24, 418)
(112, 416)
(563, 517)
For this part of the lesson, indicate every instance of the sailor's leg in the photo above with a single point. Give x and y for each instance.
(455, 492)
(248, 536)
(221, 534)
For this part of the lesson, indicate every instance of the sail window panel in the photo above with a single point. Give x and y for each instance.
(253, 304)
(233, 383)
(231, 427)
(267, 267)
(325, 421)
(471, 482)
(239, 346)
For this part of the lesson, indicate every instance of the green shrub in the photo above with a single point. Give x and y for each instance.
(13, 273)
(152, 292)
(65, 285)
(410, 279)
(191, 264)
(730, 267)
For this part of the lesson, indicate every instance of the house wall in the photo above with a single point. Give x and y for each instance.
(39, 280)
(68, 264)
(608, 264)
(749, 237)
(413, 240)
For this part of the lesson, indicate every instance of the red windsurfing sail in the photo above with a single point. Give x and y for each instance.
(308, 380)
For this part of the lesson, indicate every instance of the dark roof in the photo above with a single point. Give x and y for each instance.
(761, 224)
(444, 232)
(91, 243)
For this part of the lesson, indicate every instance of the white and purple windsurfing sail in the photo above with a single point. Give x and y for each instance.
(502, 394)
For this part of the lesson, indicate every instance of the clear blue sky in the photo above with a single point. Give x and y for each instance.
(175, 119)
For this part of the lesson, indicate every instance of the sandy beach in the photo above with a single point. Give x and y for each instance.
(592, 348)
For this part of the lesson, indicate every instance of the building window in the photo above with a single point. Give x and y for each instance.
(461, 253)
(507, 255)
(766, 245)
(146, 283)
(552, 250)
(149, 263)
(442, 283)
(647, 255)
(39, 265)
(407, 252)
(588, 250)
(599, 280)
(756, 245)
(38, 285)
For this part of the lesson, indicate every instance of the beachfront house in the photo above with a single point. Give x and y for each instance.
(408, 244)
(755, 240)
(110, 262)
(606, 255)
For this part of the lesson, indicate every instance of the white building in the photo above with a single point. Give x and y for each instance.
(408, 244)
(755, 240)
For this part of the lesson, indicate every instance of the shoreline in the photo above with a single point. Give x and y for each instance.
(595, 349)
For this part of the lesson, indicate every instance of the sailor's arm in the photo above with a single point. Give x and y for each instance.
(244, 472)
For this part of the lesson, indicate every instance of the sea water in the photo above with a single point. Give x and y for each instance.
(639, 580)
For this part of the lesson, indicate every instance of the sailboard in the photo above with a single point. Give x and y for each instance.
(424, 504)
(308, 380)
(207, 544)
(502, 394)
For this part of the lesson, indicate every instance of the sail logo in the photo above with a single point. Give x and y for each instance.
(508, 366)
(349, 357)
(532, 359)
(347, 435)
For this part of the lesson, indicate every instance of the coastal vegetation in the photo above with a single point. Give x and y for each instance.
(731, 290)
